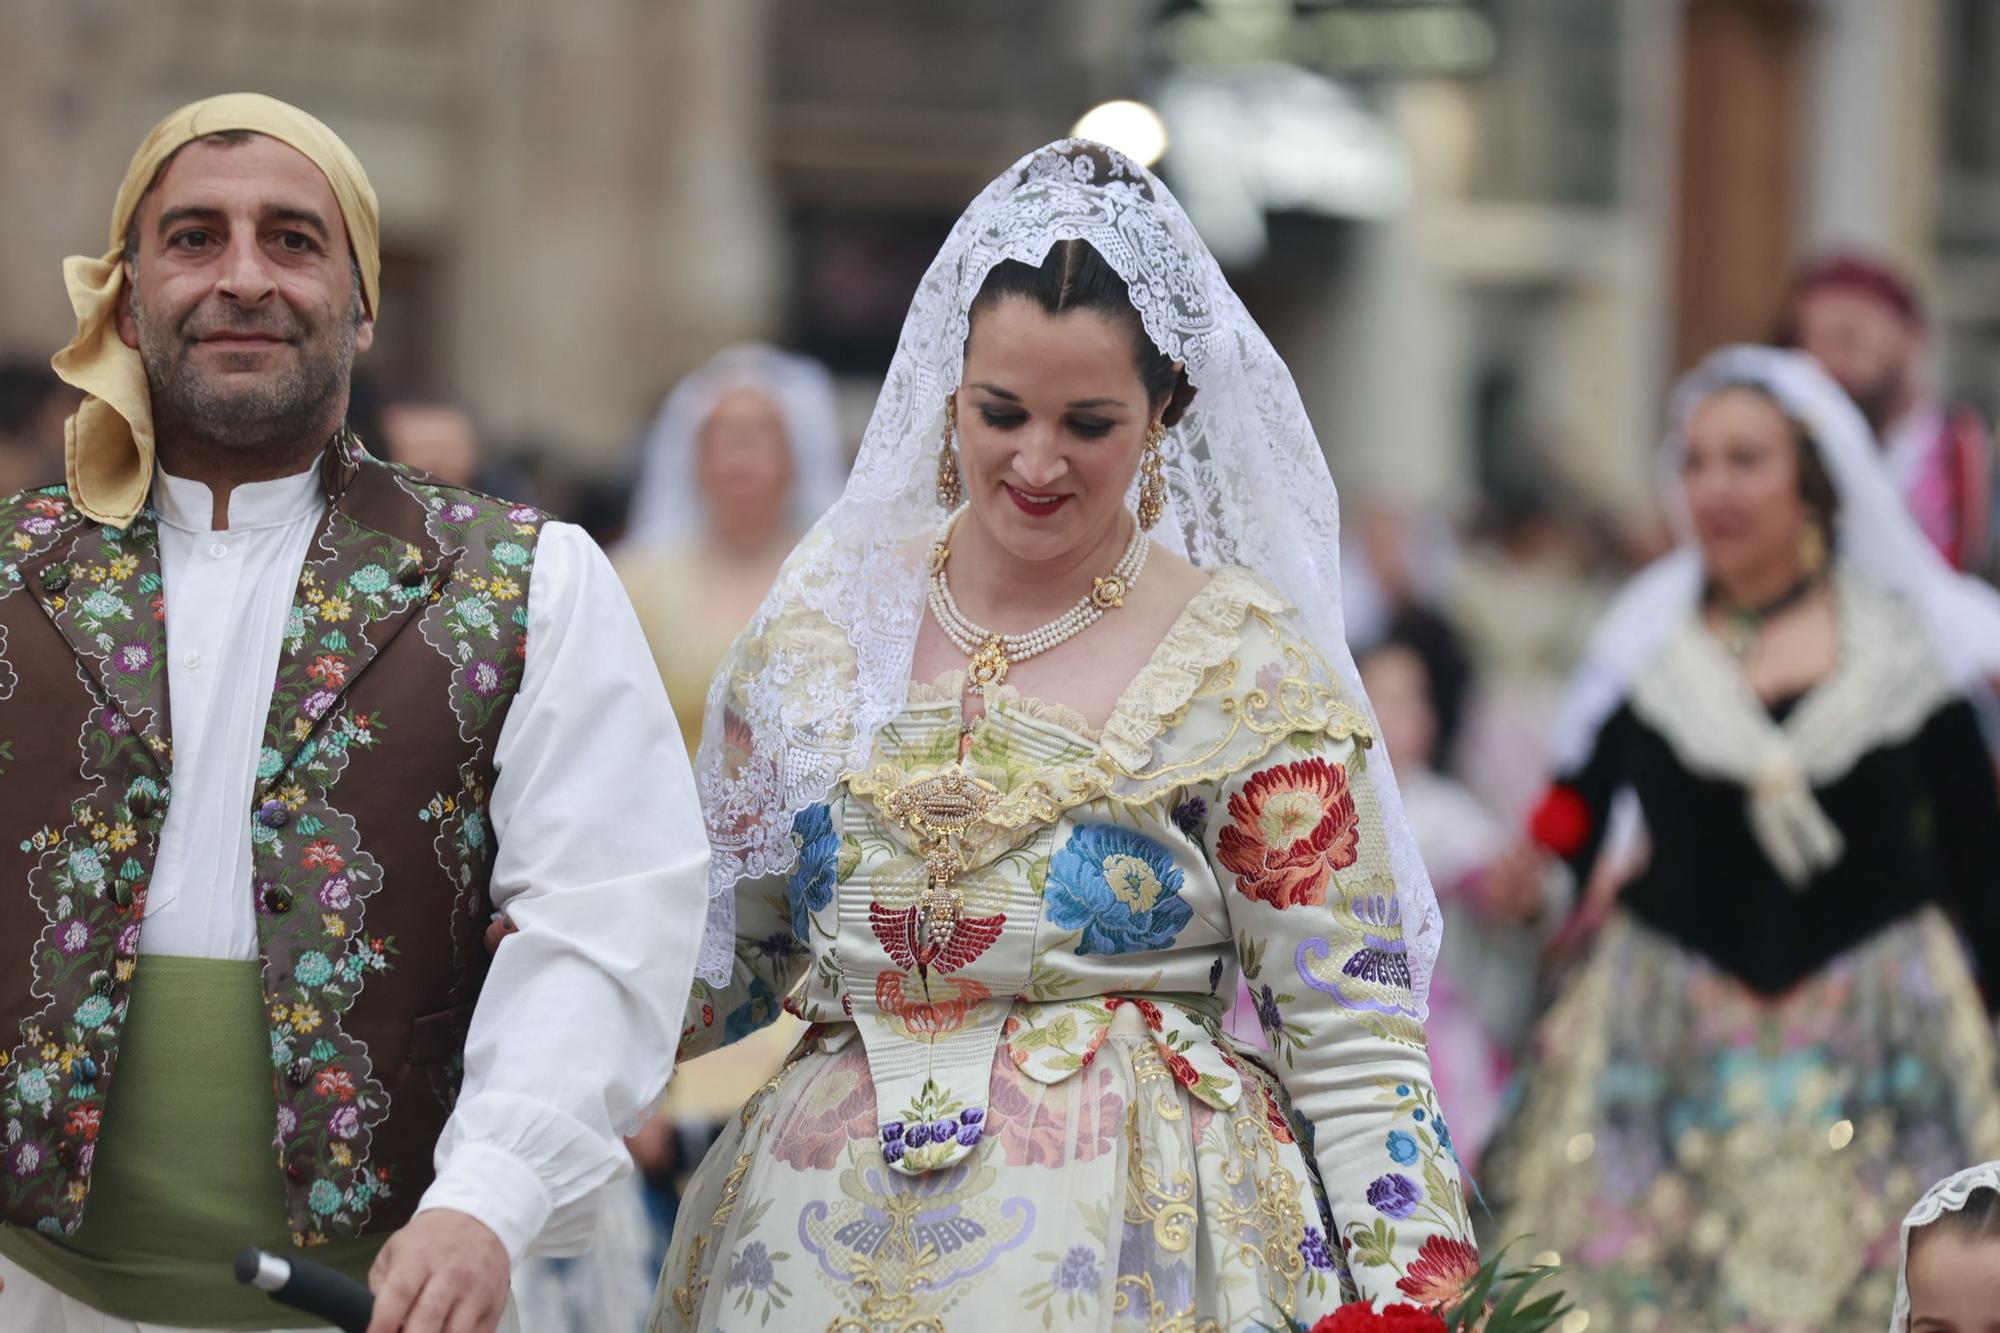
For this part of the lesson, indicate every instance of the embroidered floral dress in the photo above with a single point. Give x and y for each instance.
(1032, 1117)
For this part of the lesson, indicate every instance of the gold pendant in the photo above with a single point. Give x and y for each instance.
(937, 810)
(1108, 593)
(989, 665)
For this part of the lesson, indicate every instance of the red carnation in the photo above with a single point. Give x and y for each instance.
(1361, 1317)
(1561, 822)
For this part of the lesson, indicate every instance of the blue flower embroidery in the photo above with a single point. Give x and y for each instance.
(1402, 1147)
(1123, 891)
(755, 1012)
(811, 885)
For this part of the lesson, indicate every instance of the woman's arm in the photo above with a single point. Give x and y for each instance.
(1299, 847)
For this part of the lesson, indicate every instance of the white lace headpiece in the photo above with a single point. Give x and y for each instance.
(1947, 1196)
(1875, 538)
(666, 503)
(1247, 485)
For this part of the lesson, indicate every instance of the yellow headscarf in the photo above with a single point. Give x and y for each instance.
(109, 441)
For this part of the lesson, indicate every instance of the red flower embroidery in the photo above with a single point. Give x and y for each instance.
(1290, 828)
(328, 670)
(1440, 1271)
(85, 1119)
(333, 1081)
(1561, 822)
(1281, 1129)
(324, 855)
(922, 1020)
(1362, 1317)
(1182, 1069)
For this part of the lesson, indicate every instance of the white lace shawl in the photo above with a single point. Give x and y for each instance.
(1247, 485)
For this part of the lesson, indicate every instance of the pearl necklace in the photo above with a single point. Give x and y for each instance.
(993, 654)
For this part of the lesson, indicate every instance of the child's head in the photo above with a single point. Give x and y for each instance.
(1952, 1261)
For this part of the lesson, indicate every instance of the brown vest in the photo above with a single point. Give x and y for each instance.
(371, 846)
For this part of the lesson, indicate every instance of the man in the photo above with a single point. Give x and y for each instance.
(1862, 320)
(281, 727)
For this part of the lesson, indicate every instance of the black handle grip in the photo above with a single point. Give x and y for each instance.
(312, 1288)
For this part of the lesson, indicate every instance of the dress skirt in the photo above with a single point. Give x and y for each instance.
(1710, 1160)
(1110, 1200)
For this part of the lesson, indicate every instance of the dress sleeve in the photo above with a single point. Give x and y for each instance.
(769, 958)
(1967, 808)
(1298, 845)
(1574, 815)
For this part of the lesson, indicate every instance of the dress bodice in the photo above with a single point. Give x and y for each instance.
(1222, 819)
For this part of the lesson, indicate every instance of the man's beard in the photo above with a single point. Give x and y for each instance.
(256, 413)
(1879, 400)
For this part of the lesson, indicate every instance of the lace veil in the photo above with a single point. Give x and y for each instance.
(1876, 538)
(667, 505)
(1247, 485)
(1947, 1196)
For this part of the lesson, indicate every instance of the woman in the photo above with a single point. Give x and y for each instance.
(1776, 1030)
(1012, 788)
(745, 454)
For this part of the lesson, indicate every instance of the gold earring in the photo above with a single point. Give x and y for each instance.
(1812, 549)
(1152, 482)
(951, 491)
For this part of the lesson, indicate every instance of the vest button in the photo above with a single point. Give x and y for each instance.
(277, 899)
(299, 1071)
(273, 814)
(295, 1172)
(55, 578)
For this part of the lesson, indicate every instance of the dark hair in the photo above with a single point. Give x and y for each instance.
(1816, 486)
(1075, 277)
(1448, 674)
(1979, 1219)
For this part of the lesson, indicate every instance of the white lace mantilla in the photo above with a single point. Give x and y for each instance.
(1247, 485)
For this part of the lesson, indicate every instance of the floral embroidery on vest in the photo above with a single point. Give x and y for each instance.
(89, 879)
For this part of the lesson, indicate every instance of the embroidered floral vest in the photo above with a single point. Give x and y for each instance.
(371, 849)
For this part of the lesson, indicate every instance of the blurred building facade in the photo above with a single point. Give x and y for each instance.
(1485, 232)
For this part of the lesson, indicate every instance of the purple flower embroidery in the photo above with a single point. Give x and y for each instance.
(38, 525)
(917, 1135)
(74, 937)
(1394, 1196)
(1078, 1270)
(314, 705)
(752, 1268)
(892, 1151)
(969, 1135)
(460, 513)
(1191, 818)
(288, 1121)
(132, 658)
(346, 1121)
(1313, 1249)
(892, 1131)
(483, 679)
(85, 1157)
(1268, 1013)
(335, 893)
(944, 1131)
(128, 941)
(522, 514)
(26, 1158)
(114, 722)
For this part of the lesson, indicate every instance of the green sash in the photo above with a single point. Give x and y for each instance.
(185, 1173)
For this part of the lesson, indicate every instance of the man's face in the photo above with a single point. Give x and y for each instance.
(1865, 343)
(244, 306)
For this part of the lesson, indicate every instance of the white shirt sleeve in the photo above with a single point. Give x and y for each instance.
(602, 864)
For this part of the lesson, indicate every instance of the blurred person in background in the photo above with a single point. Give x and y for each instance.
(1009, 873)
(1863, 321)
(33, 406)
(1484, 988)
(744, 454)
(1393, 559)
(1776, 1032)
(1528, 592)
